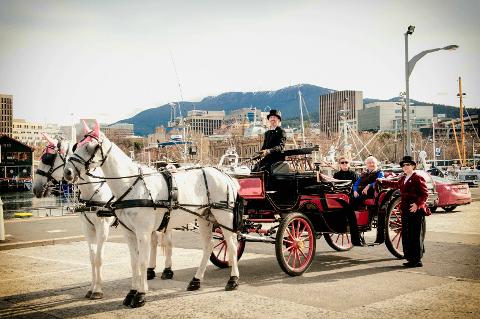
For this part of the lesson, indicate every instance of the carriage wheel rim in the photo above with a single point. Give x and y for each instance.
(220, 249)
(395, 227)
(344, 239)
(298, 247)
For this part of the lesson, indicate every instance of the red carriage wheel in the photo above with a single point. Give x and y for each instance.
(219, 256)
(394, 228)
(339, 242)
(295, 244)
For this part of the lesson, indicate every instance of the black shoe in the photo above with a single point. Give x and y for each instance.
(360, 243)
(413, 264)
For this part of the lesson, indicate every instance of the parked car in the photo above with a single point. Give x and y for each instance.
(451, 194)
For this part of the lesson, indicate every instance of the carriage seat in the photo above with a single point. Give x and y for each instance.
(332, 186)
(369, 202)
(281, 168)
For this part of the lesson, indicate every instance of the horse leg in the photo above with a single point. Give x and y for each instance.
(205, 229)
(132, 247)
(143, 244)
(153, 257)
(232, 242)
(167, 246)
(102, 229)
(89, 233)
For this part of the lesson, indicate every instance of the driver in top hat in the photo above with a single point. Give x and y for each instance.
(273, 143)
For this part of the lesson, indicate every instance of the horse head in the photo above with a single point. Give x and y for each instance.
(89, 153)
(50, 169)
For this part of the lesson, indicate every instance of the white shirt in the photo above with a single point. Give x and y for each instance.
(406, 178)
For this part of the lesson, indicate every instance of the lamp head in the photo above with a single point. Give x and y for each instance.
(410, 29)
(451, 47)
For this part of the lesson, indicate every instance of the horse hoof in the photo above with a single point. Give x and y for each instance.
(232, 283)
(150, 273)
(96, 295)
(89, 293)
(139, 300)
(129, 298)
(167, 273)
(194, 284)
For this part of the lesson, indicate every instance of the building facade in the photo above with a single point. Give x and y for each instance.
(16, 161)
(205, 122)
(118, 130)
(387, 116)
(6, 114)
(30, 133)
(331, 104)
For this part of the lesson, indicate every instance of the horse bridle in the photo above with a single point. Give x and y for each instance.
(75, 158)
(51, 162)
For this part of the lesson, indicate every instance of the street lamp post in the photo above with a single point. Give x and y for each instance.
(409, 65)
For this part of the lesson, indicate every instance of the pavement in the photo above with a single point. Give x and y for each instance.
(45, 272)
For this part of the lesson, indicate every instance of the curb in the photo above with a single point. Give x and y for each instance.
(42, 242)
(45, 242)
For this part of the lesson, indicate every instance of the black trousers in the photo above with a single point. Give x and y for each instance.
(413, 232)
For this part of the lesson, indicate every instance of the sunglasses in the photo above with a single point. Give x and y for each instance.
(406, 164)
(343, 162)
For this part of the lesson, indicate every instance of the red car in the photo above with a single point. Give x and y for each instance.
(451, 194)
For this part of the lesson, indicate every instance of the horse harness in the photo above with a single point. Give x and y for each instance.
(49, 159)
(170, 203)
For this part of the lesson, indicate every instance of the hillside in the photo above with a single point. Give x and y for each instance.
(285, 100)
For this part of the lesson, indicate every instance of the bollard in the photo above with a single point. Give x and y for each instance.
(2, 226)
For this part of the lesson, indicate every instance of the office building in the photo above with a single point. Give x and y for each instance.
(387, 116)
(350, 102)
(205, 122)
(6, 115)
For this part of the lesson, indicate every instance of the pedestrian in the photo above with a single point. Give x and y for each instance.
(273, 143)
(414, 194)
(345, 173)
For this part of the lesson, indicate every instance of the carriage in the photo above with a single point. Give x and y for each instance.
(293, 209)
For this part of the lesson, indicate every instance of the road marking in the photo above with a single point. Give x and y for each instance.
(57, 231)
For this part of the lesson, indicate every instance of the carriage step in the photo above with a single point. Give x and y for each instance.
(257, 239)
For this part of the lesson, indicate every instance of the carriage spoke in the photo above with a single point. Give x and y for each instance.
(222, 248)
(220, 243)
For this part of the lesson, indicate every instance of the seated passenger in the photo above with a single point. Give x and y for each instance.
(363, 189)
(273, 143)
(364, 186)
(345, 173)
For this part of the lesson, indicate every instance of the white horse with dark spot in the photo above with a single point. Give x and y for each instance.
(204, 195)
(94, 193)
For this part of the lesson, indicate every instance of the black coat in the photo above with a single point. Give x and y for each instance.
(274, 141)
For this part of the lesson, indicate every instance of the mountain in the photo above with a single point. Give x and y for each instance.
(285, 100)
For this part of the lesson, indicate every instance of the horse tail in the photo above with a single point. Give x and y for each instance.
(163, 240)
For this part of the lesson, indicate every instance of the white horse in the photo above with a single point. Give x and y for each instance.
(93, 193)
(136, 189)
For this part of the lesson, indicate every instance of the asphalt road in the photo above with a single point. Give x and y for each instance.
(42, 280)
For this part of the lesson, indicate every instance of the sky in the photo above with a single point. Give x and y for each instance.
(64, 60)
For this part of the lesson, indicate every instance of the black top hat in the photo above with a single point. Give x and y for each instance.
(274, 113)
(407, 159)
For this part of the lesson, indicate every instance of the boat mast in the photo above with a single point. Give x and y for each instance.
(456, 142)
(462, 129)
(301, 116)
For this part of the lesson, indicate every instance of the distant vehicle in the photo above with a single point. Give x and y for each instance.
(469, 176)
(435, 171)
(451, 194)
